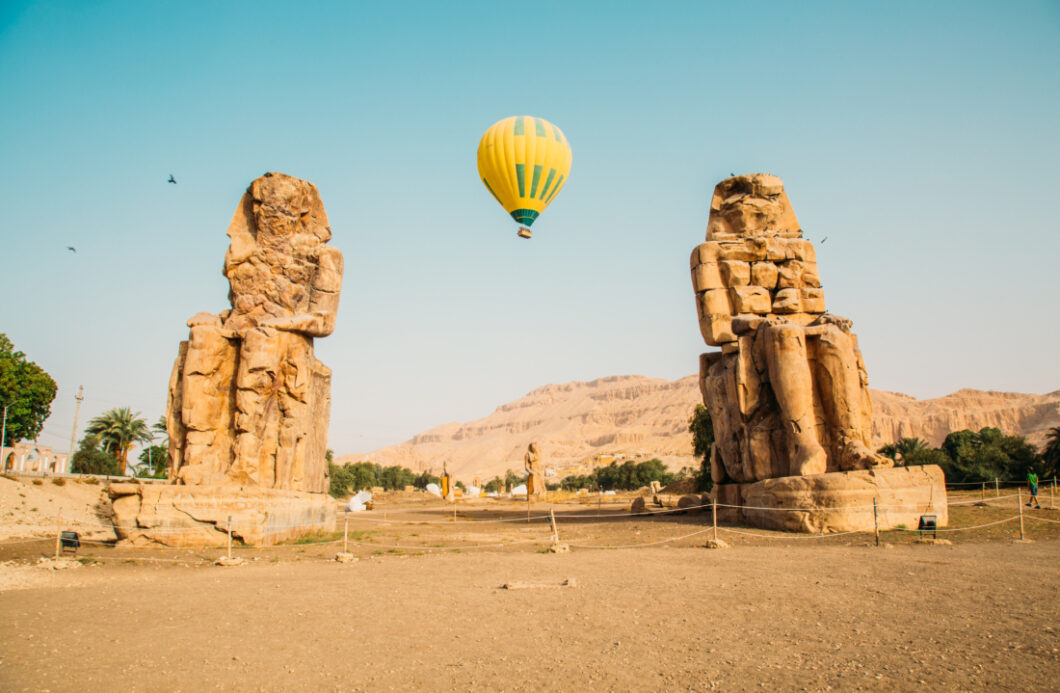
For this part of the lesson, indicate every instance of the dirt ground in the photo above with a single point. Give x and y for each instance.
(424, 609)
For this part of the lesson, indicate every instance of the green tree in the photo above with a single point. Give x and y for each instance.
(421, 480)
(494, 485)
(701, 426)
(987, 455)
(1051, 454)
(89, 459)
(26, 390)
(118, 430)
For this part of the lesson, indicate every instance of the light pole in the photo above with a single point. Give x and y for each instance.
(73, 434)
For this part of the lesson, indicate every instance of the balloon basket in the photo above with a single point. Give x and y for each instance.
(523, 232)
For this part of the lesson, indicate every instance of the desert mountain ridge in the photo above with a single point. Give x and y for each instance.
(638, 417)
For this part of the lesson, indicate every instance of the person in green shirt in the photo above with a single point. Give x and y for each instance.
(1032, 482)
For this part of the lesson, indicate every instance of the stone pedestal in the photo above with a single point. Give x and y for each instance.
(838, 501)
(196, 516)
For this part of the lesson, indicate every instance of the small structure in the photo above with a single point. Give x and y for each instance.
(27, 457)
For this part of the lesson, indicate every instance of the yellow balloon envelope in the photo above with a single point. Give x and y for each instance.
(524, 161)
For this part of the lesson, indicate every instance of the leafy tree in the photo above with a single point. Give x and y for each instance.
(421, 480)
(494, 485)
(395, 478)
(626, 476)
(89, 459)
(27, 392)
(987, 455)
(511, 480)
(701, 426)
(118, 430)
(1051, 454)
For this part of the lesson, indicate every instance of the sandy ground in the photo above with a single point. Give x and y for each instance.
(817, 617)
(422, 609)
(30, 506)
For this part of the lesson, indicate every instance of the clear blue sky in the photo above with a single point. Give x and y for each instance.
(920, 138)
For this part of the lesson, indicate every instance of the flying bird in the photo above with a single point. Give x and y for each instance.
(71, 249)
(172, 179)
(824, 239)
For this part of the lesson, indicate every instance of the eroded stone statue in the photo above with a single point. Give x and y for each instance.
(788, 391)
(535, 475)
(248, 401)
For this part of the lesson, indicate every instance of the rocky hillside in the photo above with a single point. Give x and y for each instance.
(638, 417)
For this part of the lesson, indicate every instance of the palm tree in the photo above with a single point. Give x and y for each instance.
(118, 429)
(909, 446)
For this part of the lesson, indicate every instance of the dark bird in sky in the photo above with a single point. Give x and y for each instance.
(824, 239)
(172, 179)
(71, 249)
(731, 174)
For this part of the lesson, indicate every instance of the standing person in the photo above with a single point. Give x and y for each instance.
(1032, 482)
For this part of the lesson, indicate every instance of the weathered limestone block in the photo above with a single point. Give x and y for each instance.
(147, 514)
(735, 272)
(750, 299)
(715, 302)
(788, 392)
(842, 502)
(787, 301)
(764, 274)
(707, 276)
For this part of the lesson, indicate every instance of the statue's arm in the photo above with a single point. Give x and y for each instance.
(319, 321)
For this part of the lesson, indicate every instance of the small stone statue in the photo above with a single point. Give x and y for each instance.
(535, 476)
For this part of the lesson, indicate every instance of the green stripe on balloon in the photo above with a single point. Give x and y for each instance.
(536, 179)
(555, 190)
(520, 127)
(525, 216)
(548, 182)
(490, 188)
(520, 175)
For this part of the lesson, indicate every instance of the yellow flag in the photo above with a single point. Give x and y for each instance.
(524, 161)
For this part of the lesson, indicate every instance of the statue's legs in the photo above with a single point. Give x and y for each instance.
(792, 380)
(257, 409)
(206, 405)
(845, 399)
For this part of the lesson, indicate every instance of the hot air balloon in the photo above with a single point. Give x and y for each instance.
(524, 161)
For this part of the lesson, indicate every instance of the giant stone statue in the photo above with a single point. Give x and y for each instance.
(249, 403)
(788, 390)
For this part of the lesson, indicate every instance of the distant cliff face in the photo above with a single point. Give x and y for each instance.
(638, 417)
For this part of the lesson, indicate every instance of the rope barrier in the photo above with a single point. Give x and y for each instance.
(774, 536)
(955, 529)
(650, 543)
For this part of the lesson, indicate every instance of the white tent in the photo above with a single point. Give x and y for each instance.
(434, 490)
(519, 490)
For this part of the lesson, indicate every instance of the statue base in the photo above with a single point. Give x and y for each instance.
(198, 516)
(838, 501)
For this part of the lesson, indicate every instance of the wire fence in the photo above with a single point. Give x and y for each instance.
(226, 532)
